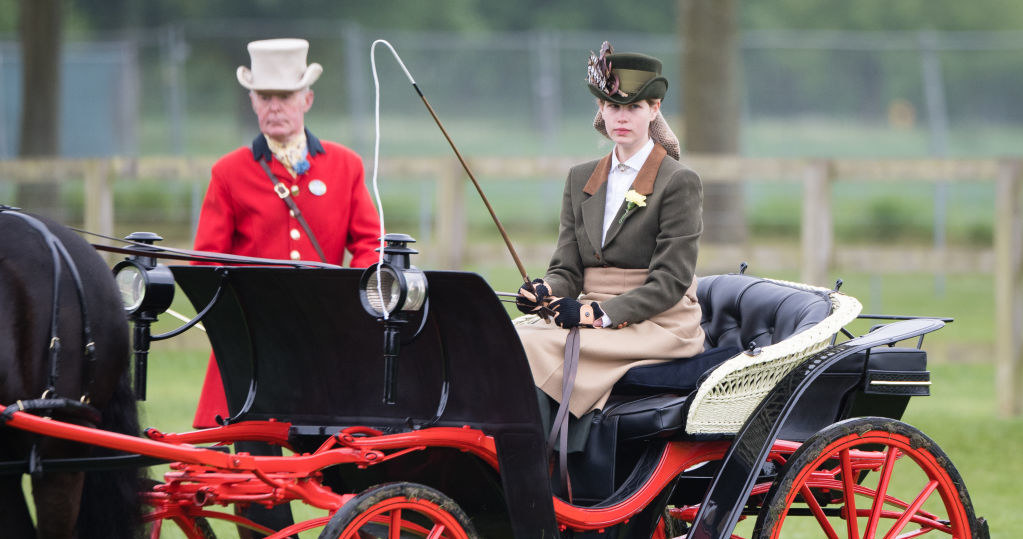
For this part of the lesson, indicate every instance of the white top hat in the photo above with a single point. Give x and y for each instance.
(279, 64)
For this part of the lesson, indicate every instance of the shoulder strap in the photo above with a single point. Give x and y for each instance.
(283, 192)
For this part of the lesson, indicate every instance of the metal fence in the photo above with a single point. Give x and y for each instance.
(172, 90)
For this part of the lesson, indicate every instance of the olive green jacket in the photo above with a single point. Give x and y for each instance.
(662, 236)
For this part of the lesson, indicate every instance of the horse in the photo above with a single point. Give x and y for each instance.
(68, 503)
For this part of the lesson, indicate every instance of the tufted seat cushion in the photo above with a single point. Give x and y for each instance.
(738, 311)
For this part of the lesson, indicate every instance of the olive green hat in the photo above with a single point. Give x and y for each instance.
(625, 77)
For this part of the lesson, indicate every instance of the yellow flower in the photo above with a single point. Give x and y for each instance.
(635, 199)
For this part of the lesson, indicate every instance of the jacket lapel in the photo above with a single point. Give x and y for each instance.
(593, 207)
(643, 184)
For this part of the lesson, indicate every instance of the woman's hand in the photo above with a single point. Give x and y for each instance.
(532, 296)
(569, 313)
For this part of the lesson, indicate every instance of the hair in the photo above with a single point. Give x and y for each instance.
(649, 101)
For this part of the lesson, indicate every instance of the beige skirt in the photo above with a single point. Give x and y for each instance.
(605, 354)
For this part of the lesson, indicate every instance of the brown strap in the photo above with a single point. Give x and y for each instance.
(560, 423)
(283, 192)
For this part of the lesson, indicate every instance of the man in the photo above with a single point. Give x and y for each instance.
(246, 210)
(288, 196)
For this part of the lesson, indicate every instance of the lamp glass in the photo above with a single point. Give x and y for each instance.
(383, 281)
(131, 282)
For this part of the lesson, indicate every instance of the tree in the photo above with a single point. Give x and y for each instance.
(40, 33)
(710, 102)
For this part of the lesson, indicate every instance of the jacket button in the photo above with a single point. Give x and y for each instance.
(294, 190)
(295, 255)
(294, 234)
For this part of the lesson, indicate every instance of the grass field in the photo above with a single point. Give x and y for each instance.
(960, 415)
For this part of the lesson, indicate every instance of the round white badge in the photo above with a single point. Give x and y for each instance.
(317, 187)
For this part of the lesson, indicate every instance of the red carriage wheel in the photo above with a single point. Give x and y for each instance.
(400, 510)
(868, 477)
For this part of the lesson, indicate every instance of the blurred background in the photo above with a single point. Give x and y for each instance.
(872, 141)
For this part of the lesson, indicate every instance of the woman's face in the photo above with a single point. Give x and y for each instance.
(629, 125)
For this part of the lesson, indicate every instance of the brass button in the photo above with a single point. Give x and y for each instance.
(294, 234)
(291, 213)
(295, 255)
(294, 190)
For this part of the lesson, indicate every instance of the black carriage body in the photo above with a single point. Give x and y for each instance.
(295, 345)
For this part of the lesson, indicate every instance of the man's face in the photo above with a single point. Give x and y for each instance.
(281, 114)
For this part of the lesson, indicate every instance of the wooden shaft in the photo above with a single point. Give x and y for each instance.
(493, 215)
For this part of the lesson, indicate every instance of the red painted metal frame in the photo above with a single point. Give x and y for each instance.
(201, 477)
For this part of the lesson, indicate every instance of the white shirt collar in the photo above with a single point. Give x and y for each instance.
(636, 161)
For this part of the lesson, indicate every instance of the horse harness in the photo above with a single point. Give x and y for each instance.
(49, 398)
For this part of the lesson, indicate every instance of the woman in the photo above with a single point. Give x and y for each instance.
(630, 224)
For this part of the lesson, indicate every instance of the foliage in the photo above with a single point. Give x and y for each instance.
(883, 14)
(658, 16)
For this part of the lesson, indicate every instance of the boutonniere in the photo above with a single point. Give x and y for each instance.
(634, 199)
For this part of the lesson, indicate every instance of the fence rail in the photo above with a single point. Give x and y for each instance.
(817, 230)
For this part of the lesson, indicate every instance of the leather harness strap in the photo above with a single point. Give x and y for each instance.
(559, 428)
(283, 192)
(58, 252)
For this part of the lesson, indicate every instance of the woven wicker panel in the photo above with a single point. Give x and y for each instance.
(732, 391)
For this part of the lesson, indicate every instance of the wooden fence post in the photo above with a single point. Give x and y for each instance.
(451, 222)
(99, 199)
(1009, 288)
(816, 230)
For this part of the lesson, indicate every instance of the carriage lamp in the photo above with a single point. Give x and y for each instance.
(145, 286)
(390, 292)
(397, 285)
(144, 289)
(147, 289)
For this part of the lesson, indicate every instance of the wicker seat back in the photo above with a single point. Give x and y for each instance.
(779, 323)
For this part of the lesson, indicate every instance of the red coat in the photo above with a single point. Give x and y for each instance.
(242, 215)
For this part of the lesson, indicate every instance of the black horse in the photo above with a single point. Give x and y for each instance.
(68, 503)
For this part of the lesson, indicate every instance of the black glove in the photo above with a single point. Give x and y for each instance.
(532, 296)
(569, 313)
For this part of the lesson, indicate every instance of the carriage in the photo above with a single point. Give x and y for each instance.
(407, 408)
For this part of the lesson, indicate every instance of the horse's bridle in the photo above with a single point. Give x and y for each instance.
(58, 252)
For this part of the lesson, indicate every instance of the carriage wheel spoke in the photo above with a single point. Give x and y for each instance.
(395, 528)
(818, 513)
(849, 493)
(882, 492)
(436, 532)
(913, 508)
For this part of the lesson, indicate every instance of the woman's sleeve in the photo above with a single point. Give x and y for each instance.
(673, 263)
(565, 272)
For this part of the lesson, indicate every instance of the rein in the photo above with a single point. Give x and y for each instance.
(58, 252)
(172, 253)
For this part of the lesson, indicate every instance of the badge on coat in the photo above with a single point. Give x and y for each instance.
(317, 187)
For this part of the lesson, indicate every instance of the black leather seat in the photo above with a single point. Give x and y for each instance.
(649, 402)
(739, 312)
